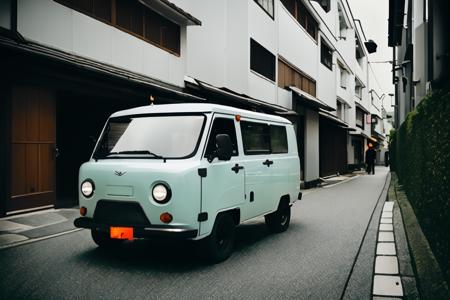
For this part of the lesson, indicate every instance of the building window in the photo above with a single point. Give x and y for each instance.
(360, 118)
(325, 4)
(326, 55)
(134, 18)
(262, 61)
(340, 110)
(343, 77)
(358, 88)
(289, 76)
(130, 16)
(342, 23)
(298, 10)
(267, 6)
(359, 52)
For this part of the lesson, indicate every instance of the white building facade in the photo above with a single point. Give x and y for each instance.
(305, 56)
(70, 64)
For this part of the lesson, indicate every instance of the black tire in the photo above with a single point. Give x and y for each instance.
(103, 240)
(219, 245)
(279, 220)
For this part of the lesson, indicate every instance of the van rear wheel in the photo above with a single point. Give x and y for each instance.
(279, 220)
(218, 246)
(103, 240)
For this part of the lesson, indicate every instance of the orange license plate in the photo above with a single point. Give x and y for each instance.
(121, 233)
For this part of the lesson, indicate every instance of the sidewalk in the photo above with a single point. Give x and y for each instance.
(26, 228)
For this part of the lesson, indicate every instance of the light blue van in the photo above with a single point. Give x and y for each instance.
(191, 171)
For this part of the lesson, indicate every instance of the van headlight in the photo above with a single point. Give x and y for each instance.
(87, 188)
(161, 193)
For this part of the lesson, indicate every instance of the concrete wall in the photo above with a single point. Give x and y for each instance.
(219, 53)
(263, 29)
(50, 23)
(296, 45)
(311, 145)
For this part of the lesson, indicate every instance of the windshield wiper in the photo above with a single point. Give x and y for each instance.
(139, 152)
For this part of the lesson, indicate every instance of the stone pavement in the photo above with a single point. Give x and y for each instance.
(20, 229)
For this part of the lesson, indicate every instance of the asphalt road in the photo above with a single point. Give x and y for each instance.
(312, 260)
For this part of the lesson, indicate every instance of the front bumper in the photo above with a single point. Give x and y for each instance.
(151, 231)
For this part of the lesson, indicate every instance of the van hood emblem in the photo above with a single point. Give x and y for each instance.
(119, 173)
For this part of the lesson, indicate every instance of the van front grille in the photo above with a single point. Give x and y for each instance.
(120, 213)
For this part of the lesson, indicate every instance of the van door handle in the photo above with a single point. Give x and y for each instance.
(268, 162)
(236, 168)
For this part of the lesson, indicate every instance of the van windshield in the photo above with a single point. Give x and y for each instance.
(158, 137)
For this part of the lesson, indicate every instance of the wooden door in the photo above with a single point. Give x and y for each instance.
(33, 148)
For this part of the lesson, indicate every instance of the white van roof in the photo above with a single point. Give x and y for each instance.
(198, 107)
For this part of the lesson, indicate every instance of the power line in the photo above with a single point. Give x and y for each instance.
(375, 76)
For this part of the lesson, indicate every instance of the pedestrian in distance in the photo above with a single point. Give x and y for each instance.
(370, 159)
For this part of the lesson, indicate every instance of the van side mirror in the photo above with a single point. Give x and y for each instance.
(224, 147)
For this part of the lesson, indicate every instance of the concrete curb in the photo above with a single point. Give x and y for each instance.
(360, 280)
(431, 283)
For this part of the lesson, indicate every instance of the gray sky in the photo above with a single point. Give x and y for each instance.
(374, 16)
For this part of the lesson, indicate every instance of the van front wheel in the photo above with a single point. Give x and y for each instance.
(218, 246)
(279, 220)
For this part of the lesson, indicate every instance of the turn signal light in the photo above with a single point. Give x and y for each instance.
(83, 211)
(238, 117)
(166, 217)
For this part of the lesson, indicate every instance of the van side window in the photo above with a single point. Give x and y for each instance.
(222, 126)
(255, 138)
(278, 139)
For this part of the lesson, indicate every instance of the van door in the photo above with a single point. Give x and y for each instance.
(223, 185)
(258, 172)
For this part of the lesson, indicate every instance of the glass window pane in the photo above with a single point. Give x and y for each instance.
(262, 61)
(222, 126)
(278, 139)
(167, 136)
(255, 138)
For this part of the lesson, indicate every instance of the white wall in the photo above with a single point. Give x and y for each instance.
(208, 42)
(263, 29)
(295, 44)
(350, 150)
(237, 55)
(311, 145)
(326, 90)
(50, 23)
(284, 97)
